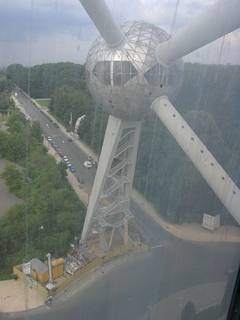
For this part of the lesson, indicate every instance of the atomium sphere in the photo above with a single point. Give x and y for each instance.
(125, 80)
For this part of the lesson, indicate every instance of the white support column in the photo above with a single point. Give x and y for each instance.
(220, 19)
(216, 177)
(109, 200)
(50, 280)
(125, 232)
(111, 238)
(103, 20)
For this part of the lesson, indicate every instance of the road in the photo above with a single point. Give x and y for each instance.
(75, 155)
(134, 284)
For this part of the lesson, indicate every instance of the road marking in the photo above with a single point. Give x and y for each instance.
(160, 245)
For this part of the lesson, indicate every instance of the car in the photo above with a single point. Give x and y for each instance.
(65, 157)
(72, 168)
(47, 125)
(56, 125)
(68, 164)
(69, 139)
(87, 164)
(94, 163)
(49, 138)
(90, 158)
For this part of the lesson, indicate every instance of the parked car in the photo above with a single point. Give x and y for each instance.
(87, 164)
(72, 168)
(56, 125)
(94, 163)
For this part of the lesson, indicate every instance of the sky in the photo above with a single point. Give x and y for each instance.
(38, 31)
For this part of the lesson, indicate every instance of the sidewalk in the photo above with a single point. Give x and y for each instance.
(18, 296)
(188, 231)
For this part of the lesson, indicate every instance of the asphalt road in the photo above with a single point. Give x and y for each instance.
(135, 283)
(75, 155)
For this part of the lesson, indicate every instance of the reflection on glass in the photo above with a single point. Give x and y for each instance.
(123, 71)
(181, 258)
(102, 72)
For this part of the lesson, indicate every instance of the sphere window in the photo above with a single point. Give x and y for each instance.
(123, 71)
(156, 76)
(174, 74)
(114, 73)
(102, 72)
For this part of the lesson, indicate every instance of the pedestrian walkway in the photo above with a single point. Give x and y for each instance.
(188, 231)
(15, 295)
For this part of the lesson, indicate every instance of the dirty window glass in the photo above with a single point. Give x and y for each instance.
(119, 159)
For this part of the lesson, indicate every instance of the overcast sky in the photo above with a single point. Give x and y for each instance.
(38, 31)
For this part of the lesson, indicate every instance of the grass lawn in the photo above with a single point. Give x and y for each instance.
(43, 102)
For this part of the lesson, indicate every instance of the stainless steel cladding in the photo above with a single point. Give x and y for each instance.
(125, 80)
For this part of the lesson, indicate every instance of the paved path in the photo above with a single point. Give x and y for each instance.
(189, 231)
(18, 296)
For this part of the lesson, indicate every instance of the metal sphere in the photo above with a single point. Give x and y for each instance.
(125, 80)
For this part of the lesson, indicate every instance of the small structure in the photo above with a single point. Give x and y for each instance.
(57, 268)
(27, 268)
(39, 270)
(211, 222)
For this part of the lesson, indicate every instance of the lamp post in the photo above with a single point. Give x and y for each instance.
(50, 285)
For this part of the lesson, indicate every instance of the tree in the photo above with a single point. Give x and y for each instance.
(48, 200)
(14, 179)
